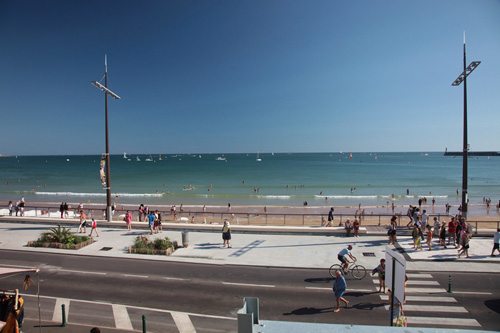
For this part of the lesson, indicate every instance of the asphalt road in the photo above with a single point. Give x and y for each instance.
(209, 296)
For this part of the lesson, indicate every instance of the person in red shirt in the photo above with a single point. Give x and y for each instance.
(452, 229)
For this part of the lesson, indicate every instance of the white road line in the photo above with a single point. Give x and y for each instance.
(249, 284)
(425, 290)
(80, 272)
(416, 321)
(423, 283)
(424, 299)
(416, 282)
(419, 276)
(177, 279)
(433, 308)
(57, 316)
(183, 322)
(471, 292)
(130, 306)
(318, 288)
(137, 276)
(122, 319)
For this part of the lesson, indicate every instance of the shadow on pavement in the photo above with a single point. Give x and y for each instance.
(308, 311)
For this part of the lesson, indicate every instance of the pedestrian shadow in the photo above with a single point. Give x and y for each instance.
(319, 280)
(208, 246)
(135, 233)
(368, 306)
(359, 293)
(308, 311)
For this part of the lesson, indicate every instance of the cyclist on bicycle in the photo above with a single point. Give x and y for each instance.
(341, 256)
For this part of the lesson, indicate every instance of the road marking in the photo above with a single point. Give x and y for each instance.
(318, 288)
(419, 276)
(183, 322)
(136, 276)
(416, 282)
(57, 316)
(433, 308)
(129, 306)
(177, 279)
(425, 290)
(122, 319)
(424, 299)
(442, 321)
(80, 272)
(471, 292)
(249, 284)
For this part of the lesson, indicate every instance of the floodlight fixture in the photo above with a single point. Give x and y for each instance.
(472, 66)
(104, 89)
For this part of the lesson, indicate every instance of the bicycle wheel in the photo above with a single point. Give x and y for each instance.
(333, 269)
(358, 272)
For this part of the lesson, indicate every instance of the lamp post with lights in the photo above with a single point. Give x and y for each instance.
(115, 96)
(463, 78)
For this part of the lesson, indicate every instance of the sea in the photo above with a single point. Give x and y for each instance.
(265, 179)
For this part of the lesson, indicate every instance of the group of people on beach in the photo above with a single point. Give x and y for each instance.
(457, 231)
(17, 207)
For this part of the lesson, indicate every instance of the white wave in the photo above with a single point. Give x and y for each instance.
(77, 194)
(283, 197)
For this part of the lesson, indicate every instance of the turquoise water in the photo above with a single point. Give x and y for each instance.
(281, 179)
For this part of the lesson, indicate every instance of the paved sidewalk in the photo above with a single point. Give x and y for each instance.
(300, 247)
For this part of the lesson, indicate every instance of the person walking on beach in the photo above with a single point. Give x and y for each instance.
(141, 212)
(226, 234)
(465, 247)
(151, 221)
(330, 218)
(452, 232)
(94, 227)
(128, 220)
(11, 208)
(83, 222)
(442, 236)
(496, 241)
(339, 288)
(429, 237)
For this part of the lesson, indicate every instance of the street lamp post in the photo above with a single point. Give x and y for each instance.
(115, 96)
(465, 155)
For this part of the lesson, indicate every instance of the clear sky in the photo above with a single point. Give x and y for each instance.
(228, 76)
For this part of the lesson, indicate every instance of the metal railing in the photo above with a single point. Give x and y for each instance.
(242, 218)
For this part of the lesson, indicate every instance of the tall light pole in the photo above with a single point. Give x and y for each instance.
(115, 96)
(463, 77)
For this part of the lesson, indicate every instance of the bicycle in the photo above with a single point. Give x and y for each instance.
(357, 271)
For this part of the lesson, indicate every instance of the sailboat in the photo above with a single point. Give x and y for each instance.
(137, 159)
(149, 159)
(258, 158)
(159, 158)
(125, 155)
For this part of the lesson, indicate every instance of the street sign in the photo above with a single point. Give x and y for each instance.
(395, 272)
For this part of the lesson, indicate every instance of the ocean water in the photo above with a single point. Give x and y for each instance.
(278, 180)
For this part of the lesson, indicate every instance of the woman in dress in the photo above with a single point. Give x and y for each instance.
(442, 235)
(465, 246)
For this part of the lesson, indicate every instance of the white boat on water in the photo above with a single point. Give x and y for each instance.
(125, 155)
(137, 159)
(149, 159)
(258, 158)
(221, 158)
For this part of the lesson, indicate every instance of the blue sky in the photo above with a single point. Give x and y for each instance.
(246, 76)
